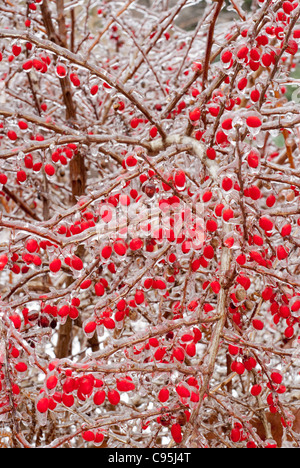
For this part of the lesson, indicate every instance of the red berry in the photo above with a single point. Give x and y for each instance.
(296, 306)
(106, 252)
(180, 179)
(292, 48)
(208, 252)
(242, 52)
(3, 261)
(183, 391)
(121, 305)
(258, 324)
(271, 200)
(61, 71)
(233, 350)
(211, 225)
(68, 400)
(255, 95)
(215, 286)
(227, 184)
(94, 90)
(113, 397)
(90, 328)
(64, 311)
(255, 54)
(195, 114)
(99, 397)
(15, 389)
(43, 405)
(3, 179)
(136, 244)
(153, 132)
(50, 170)
(241, 259)
(282, 253)
(16, 50)
(176, 433)
(266, 60)
(131, 161)
(86, 384)
(296, 34)
(21, 176)
(286, 230)
(51, 382)
(99, 289)
(284, 311)
(16, 321)
(238, 367)
(32, 245)
(227, 124)
(75, 80)
(242, 83)
(228, 214)
(267, 293)
(99, 437)
(235, 435)
(124, 200)
(191, 349)
(139, 297)
(120, 247)
(88, 436)
(276, 377)
(254, 121)
(266, 224)
(254, 192)
(125, 385)
(55, 265)
(22, 125)
(76, 263)
(256, 390)
(226, 56)
(86, 284)
(134, 123)
(211, 153)
(178, 354)
(21, 367)
(253, 159)
(28, 161)
(163, 395)
(289, 332)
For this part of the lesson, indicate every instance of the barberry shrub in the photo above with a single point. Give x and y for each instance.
(149, 256)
